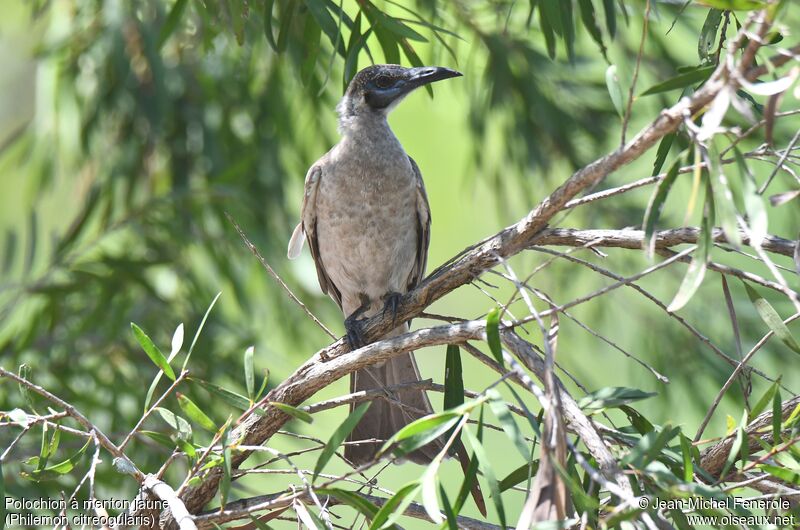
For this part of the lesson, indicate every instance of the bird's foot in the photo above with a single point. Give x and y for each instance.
(392, 303)
(354, 326)
(354, 331)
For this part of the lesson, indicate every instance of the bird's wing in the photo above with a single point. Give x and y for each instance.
(307, 229)
(423, 229)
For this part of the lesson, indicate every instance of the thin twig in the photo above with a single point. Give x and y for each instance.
(277, 278)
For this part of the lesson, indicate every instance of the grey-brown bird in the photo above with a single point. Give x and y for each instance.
(367, 220)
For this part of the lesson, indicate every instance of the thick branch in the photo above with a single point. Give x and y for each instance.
(713, 459)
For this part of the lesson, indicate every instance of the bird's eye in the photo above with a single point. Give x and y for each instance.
(383, 81)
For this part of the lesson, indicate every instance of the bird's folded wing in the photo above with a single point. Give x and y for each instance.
(423, 229)
(307, 229)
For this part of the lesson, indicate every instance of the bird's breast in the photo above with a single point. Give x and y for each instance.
(367, 220)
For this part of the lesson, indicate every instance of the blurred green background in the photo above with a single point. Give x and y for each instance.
(127, 129)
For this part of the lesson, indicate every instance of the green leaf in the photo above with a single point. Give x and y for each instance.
(519, 475)
(263, 385)
(589, 19)
(450, 515)
(421, 432)
(261, 525)
(352, 499)
(772, 319)
(685, 79)
(354, 45)
(293, 411)
(503, 414)
(248, 372)
(200, 329)
(180, 425)
(649, 446)
(339, 436)
(550, 21)
(688, 465)
(160, 437)
(469, 479)
(394, 507)
(777, 408)
(326, 23)
(736, 446)
(723, 198)
(60, 468)
(231, 398)
(152, 351)
(392, 24)
(311, 47)
(268, 6)
(430, 500)
(764, 400)
(786, 475)
(615, 89)
(611, 17)
(708, 34)
(753, 202)
(175, 15)
(453, 385)
(697, 268)
(656, 204)
(493, 335)
(194, 413)
(486, 467)
(663, 150)
(612, 397)
(568, 25)
(20, 417)
(734, 5)
(177, 342)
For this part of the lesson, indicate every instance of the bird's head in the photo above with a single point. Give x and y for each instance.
(377, 89)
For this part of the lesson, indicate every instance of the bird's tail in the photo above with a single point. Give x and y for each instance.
(390, 413)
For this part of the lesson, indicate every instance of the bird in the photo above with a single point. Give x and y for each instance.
(366, 217)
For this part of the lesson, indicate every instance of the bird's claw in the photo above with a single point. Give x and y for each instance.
(354, 332)
(392, 303)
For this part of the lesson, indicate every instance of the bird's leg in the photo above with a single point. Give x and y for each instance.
(353, 325)
(392, 303)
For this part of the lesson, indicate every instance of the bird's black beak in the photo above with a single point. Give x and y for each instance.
(425, 75)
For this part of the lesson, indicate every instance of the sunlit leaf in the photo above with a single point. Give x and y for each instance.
(708, 34)
(231, 398)
(656, 204)
(293, 411)
(493, 334)
(685, 79)
(615, 89)
(612, 397)
(194, 413)
(152, 351)
(697, 268)
(772, 319)
(249, 370)
(395, 506)
(339, 436)
(180, 425)
(734, 5)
